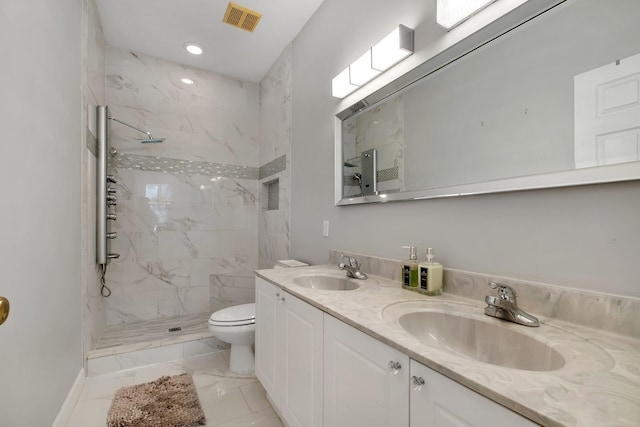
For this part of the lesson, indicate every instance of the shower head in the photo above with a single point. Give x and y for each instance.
(149, 140)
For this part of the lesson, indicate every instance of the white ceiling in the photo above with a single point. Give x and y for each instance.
(161, 27)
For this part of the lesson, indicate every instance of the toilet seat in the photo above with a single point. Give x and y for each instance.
(238, 315)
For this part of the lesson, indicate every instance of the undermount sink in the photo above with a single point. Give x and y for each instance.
(470, 335)
(326, 283)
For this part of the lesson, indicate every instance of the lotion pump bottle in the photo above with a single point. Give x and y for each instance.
(410, 270)
(430, 276)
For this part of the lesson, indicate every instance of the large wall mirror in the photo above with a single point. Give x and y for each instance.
(553, 101)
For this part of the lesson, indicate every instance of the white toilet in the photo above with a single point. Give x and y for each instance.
(236, 326)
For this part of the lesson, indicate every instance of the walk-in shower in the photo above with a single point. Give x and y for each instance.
(106, 195)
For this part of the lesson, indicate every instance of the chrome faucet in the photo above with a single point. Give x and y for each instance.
(353, 268)
(505, 306)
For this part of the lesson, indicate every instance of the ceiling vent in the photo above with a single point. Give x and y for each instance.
(241, 17)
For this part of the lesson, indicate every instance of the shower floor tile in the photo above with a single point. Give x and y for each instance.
(150, 334)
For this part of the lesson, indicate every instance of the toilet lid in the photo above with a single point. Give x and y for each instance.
(238, 315)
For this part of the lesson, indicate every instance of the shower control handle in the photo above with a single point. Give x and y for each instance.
(112, 216)
(113, 256)
(112, 179)
(112, 235)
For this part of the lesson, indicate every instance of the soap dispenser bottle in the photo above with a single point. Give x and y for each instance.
(410, 270)
(430, 276)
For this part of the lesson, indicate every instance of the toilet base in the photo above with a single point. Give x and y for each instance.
(242, 359)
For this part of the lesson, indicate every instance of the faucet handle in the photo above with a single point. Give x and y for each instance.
(352, 261)
(505, 292)
(491, 300)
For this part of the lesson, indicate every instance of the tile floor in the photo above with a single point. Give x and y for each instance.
(227, 399)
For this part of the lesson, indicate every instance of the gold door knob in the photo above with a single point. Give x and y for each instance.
(4, 309)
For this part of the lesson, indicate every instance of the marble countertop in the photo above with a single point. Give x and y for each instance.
(599, 385)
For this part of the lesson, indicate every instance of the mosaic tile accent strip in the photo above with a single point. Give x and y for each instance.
(177, 166)
(388, 174)
(273, 167)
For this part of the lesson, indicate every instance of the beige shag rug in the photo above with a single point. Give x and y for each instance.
(165, 402)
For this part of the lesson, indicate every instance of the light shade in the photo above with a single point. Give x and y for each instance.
(392, 49)
(341, 85)
(361, 70)
(450, 13)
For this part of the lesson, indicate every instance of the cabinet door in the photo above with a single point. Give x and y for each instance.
(267, 338)
(442, 402)
(301, 404)
(360, 387)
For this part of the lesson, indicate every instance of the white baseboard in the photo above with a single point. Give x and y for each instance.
(72, 397)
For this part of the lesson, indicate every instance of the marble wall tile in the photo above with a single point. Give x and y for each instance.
(610, 313)
(187, 208)
(275, 109)
(275, 147)
(94, 55)
(216, 119)
(231, 289)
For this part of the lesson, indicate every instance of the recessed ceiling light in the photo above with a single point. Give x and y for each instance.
(187, 81)
(193, 48)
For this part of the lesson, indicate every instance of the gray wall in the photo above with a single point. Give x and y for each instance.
(581, 237)
(40, 127)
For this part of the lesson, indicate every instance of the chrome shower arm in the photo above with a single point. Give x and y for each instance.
(132, 127)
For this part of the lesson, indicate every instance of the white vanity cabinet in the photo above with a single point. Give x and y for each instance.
(289, 350)
(366, 382)
(319, 371)
(437, 401)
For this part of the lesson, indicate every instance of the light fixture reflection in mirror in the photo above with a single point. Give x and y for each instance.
(450, 13)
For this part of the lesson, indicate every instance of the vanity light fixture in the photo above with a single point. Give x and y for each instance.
(392, 49)
(362, 70)
(193, 48)
(187, 81)
(383, 55)
(341, 85)
(450, 13)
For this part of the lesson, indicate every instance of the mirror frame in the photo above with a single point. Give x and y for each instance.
(510, 21)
